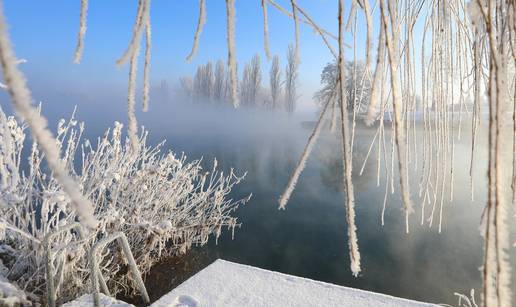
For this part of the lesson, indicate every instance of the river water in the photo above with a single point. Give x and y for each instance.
(309, 238)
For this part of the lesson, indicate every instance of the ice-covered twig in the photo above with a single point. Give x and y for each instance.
(266, 30)
(82, 32)
(200, 25)
(285, 196)
(230, 19)
(146, 67)
(354, 253)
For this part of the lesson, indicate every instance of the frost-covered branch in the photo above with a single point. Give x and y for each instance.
(82, 32)
(391, 41)
(21, 99)
(354, 253)
(200, 25)
(266, 30)
(312, 139)
(230, 20)
(146, 67)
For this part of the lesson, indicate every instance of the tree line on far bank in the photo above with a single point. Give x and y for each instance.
(210, 84)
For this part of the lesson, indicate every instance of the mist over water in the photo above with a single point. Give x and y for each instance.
(309, 238)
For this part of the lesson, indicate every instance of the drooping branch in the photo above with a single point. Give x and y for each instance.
(230, 17)
(82, 32)
(369, 23)
(310, 23)
(318, 30)
(139, 24)
(375, 88)
(352, 13)
(346, 156)
(146, 67)
(312, 139)
(296, 29)
(200, 25)
(266, 30)
(391, 41)
(21, 100)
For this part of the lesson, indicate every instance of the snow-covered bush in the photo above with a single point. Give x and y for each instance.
(161, 202)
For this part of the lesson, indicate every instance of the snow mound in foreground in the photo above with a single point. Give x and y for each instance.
(225, 283)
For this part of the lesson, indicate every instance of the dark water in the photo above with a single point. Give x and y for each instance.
(309, 238)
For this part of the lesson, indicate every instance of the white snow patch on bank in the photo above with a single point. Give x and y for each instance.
(87, 301)
(10, 295)
(225, 283)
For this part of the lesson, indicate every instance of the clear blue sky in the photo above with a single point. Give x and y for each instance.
(44, 32)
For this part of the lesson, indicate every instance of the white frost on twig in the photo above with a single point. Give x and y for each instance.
(230, 19)
(200, 25)
(82, 32)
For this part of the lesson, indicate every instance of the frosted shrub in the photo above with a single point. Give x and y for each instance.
(162, 203)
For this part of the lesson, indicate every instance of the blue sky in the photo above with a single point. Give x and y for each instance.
(44, 32)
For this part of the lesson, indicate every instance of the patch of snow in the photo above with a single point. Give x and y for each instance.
(10, 295)
(184, 301)
(87, 301)
(225, 283)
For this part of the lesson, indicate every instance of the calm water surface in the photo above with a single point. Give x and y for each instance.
(309, 238)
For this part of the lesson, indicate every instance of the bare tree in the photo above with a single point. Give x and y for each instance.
(275, 82)
(255, 79)
(197, 83)
(251, 82)
(219, 81)
(357, 85)
(187, 86)
(291, 75)
(245, 85)
(203, 84)
(208, 80)
(329, 77)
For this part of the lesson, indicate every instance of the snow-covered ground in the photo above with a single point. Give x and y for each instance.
(10, 295)
(225, 283)
(228, 284)
(87, 301)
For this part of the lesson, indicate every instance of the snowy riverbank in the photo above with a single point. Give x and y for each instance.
(225, 283)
